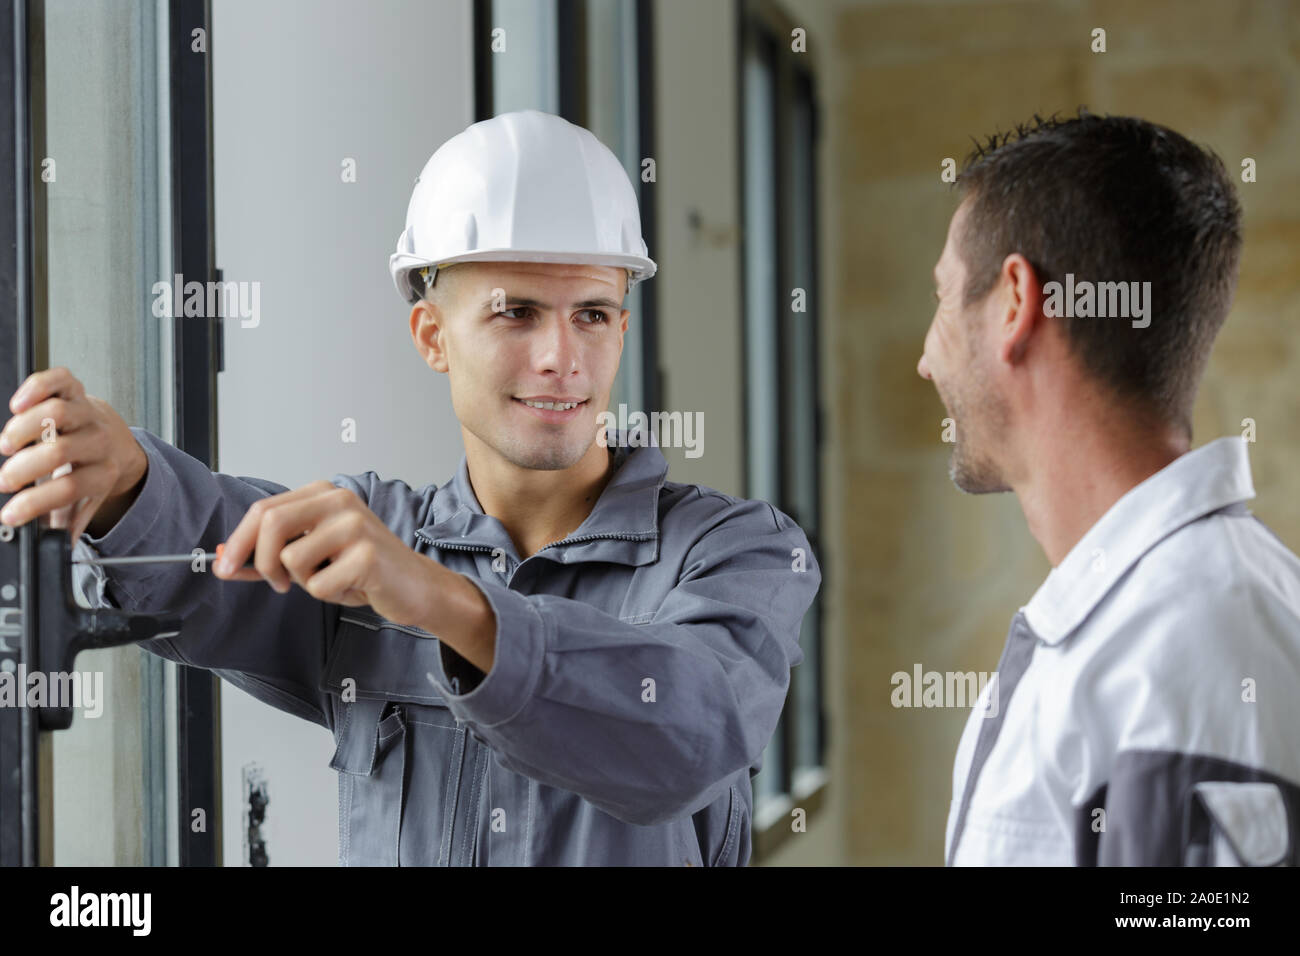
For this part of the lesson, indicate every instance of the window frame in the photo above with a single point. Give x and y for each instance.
(197, 351)
(25, 837)
(27, 800)
(762, 22)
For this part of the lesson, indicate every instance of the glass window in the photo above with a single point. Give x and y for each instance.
(100, 127)
(526, 73)
(612, 110)
(800, 437)
(761, 384)
(781, 379)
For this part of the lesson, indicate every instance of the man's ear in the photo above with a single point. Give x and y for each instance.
(1020, 307)
(427, 334)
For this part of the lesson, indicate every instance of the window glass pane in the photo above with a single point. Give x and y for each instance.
(761, 322)
(104, 203)
(525, 75)
(612, 102)
(800, 405)
(760, 262)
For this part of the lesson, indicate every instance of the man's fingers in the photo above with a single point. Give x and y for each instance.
(327, 539)
(60, 517)
(50, 459)
(268, 526)
(334, 583)
(280, 526)
(33, 424)
(40, 385)
(238, 547)
(59, 492)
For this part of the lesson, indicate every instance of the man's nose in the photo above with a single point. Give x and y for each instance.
(922, 368)
(557, 350)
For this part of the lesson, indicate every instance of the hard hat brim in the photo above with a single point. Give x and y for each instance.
(400, 264)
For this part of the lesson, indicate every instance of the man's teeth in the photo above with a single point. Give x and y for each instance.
(553, 406)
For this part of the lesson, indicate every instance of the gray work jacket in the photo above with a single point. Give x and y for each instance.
(641, 664)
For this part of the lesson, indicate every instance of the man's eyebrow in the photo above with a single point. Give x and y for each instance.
(521, 302)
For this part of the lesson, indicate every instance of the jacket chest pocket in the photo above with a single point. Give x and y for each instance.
(400, 750)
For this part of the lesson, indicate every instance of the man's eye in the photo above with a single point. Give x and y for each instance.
(599, 316)
(512, 313)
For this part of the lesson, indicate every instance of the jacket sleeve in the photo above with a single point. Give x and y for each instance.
(274, 646)
(649, 722)
(1198, 770)
(1163, 808)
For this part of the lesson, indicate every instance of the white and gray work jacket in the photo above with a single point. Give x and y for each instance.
(1148, 706)
(641, 664)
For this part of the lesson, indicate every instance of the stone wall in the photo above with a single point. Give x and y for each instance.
(921, 573)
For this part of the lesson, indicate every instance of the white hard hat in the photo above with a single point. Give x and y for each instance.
(521, 187)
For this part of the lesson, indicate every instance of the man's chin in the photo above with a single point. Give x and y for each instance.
(560, 452)
(974, 478)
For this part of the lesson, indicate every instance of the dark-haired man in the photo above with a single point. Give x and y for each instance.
(1149, 693)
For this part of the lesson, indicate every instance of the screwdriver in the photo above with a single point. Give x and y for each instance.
(208, 559)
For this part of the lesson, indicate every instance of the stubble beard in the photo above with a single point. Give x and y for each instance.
(541, 452)
(971, 469)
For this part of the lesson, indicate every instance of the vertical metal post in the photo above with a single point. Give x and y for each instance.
(196, 355)
(19, 813)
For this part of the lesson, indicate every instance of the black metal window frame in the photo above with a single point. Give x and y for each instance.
(197, 357)
(763, 24)
(19, 735)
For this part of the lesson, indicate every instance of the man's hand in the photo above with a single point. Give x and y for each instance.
(324, 539)
(293, 534)
(84, 466)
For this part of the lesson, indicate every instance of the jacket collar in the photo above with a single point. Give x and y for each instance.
(1208, 479)
(622, 528)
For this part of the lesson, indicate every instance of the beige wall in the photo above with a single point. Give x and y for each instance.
(929, 575)
(699, 269)
(920, 573)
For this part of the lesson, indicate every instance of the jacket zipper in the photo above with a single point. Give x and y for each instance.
(618, 535)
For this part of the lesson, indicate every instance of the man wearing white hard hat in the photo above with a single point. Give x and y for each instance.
(557, 657)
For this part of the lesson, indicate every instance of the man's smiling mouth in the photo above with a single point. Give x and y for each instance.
(552, 409)
(558, 406)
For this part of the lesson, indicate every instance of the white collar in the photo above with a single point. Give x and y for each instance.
(1190, 487)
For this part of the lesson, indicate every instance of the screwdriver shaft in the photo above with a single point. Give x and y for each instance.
(208, 559)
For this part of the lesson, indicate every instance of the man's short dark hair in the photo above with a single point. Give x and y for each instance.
(1109, 199)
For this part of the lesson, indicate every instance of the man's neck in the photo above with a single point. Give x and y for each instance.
(1079, 474)
(537, 507)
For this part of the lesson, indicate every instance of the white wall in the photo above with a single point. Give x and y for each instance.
(298, 86)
